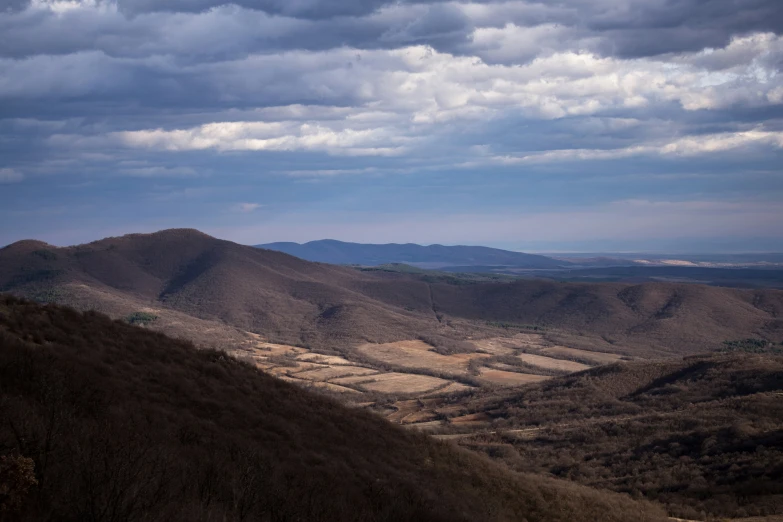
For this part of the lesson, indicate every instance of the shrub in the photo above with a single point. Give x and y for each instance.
(750, 346)
(141, 318)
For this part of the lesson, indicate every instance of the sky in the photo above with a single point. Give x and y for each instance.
(572, 125)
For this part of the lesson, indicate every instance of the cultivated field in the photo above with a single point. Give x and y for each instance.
(553, 364)
(418, 379)
(418, 354)
(595, 357)
(504, 378)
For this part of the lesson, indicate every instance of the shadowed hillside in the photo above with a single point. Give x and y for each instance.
(207, 286)
(704, 435)
(104, 421)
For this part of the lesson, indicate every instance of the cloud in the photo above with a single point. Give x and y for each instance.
(159, 171)
(10, 176)
(415, 79)
(262, 136)
(394, 102)
(683, 147)
(246, 207)
(511, 32)
(299, 8)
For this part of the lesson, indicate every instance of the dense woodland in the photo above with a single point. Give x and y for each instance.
(104, 421)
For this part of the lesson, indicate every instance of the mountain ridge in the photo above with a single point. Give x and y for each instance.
(370, 254)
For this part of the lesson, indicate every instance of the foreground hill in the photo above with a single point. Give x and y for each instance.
(342, 253)
(202, 288)
(703, 435)
(104, 421)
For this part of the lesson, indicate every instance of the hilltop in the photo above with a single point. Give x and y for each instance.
(107, 421)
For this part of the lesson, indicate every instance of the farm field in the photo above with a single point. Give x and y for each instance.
(506, 378)
(595, 357)
(411, 384)
(554, 364)
(418, 354)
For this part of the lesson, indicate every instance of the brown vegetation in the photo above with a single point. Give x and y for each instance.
(124, 424)
(702, 435)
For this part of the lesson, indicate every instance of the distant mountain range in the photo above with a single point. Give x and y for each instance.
(432, 256)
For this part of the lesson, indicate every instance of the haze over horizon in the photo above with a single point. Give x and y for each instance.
(615, 125)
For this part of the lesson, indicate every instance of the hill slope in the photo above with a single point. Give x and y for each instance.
(703, 435)
(656, 318)
(342, 253)
(258, 290)
(200, 284)
(104, 421)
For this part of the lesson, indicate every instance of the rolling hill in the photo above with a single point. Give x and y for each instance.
(702, 435)
(213, 290)
(342, 253)
(104, 421)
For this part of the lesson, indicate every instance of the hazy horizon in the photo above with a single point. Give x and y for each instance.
(719, 246)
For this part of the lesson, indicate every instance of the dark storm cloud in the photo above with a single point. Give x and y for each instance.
(658, 27)
(627, 28)
(225, 33)
(223, 30)
(312, 9)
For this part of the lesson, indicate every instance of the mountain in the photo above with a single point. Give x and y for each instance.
(214, 291)
(201, 277)
(702, 435)
(434, 256)
(104, 421)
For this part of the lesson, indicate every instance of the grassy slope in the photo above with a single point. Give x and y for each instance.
(127, 424)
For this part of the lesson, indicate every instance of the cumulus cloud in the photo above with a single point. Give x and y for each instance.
(262, 136)
(389, 102)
